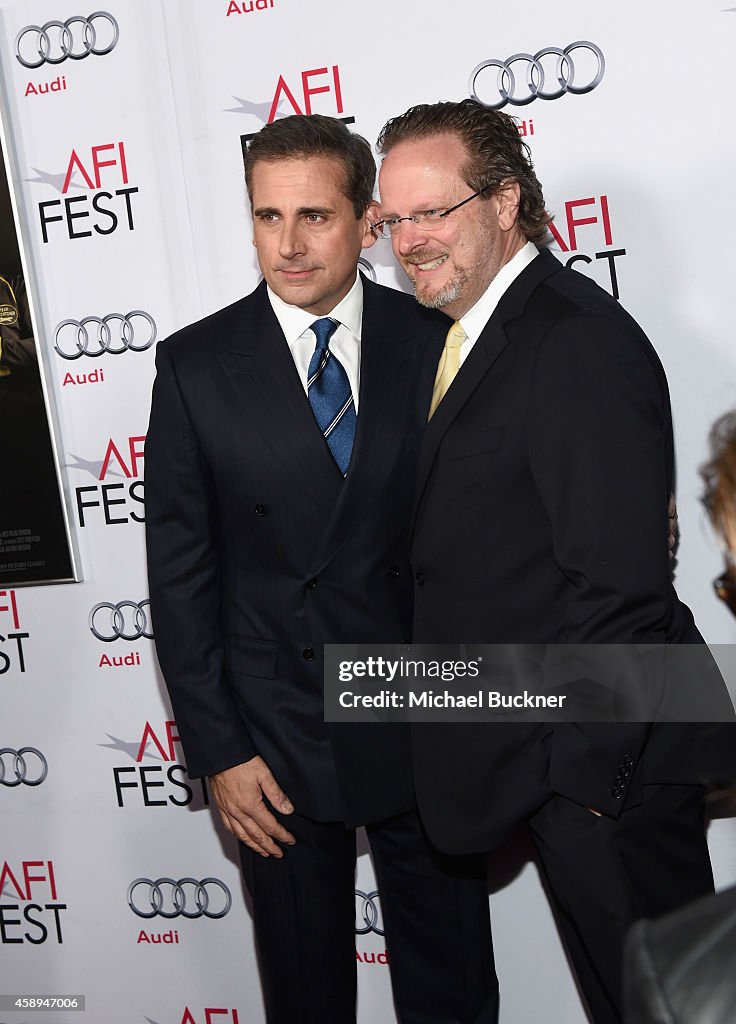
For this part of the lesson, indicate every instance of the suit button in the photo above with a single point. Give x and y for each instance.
(419, 579)
(261, 509)
(311, 584)
(393, 572)
(308, 654)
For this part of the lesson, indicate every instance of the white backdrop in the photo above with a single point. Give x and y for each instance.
(638, 171)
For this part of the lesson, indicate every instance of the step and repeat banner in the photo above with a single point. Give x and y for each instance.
(126, 128)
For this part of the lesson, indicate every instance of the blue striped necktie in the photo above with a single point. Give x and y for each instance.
(330, 396)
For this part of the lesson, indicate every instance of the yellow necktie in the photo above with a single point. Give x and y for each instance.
(448, 366)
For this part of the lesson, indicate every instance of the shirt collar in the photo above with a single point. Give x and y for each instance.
(295, 321)
(474, 321)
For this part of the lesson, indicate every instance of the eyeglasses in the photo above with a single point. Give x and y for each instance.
(725, 586)
(428, 219)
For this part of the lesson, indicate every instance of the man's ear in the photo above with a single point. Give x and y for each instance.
(371, 215)
(508, 196)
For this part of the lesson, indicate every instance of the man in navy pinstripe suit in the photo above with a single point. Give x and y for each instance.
(262, 547)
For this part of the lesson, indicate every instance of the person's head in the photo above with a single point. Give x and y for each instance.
(310, 184)
(719, 477)
(435, 156)
(719, 498)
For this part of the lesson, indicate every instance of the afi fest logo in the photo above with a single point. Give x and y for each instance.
(30, 911)
(207, 1015)
(584, 237)
(12, 636)
(110, 207)
(119, 503)
(165, 783)
(295, 94)
(210, 1015)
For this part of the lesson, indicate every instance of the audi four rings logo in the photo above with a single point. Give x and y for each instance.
(567, 75)
(188, 897)
(126, 620)
(56, 41)
(368, 268)
(368, 913)
(27, 766)
(72, 339)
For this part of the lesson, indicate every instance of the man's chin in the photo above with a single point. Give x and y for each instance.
(294, 293)
(437, 299)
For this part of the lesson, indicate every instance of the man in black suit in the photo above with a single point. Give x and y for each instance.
(277, 520)
(542, 489)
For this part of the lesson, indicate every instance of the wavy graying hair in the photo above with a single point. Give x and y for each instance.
(495, 152)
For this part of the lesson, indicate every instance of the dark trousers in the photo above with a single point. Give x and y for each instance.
(603, 875)
(435, 915)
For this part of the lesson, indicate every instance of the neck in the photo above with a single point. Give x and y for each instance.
(513, 243)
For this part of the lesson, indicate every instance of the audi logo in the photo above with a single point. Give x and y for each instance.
(109, 621)
(72, 339)
(368, 913)
(27, 765)
(368, 268)
(188, 897)
(510, 90)
(53, 42)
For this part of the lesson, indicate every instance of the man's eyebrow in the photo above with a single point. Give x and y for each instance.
(302, 211)
(388, 214)
(321, 210)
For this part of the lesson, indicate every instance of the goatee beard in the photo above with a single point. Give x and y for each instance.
(450, 293)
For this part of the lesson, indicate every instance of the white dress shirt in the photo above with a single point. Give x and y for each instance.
(478, 315)
(344, 343)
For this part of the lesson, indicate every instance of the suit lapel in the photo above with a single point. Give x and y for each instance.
(260, 367)
(483, 355)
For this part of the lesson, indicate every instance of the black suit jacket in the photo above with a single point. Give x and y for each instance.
(259, 552)
(540, 518)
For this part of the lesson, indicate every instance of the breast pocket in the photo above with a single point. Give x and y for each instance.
(249, 657)
(466, 444)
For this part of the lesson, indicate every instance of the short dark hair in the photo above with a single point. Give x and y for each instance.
(495, 152)
(305, 135)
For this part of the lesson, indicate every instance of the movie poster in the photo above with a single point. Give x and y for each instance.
(34, 532)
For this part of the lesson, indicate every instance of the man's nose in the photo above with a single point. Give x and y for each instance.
(408, 237)
(291, 242)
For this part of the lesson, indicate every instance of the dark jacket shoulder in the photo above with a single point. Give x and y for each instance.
(204, 335)
(569, 307)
